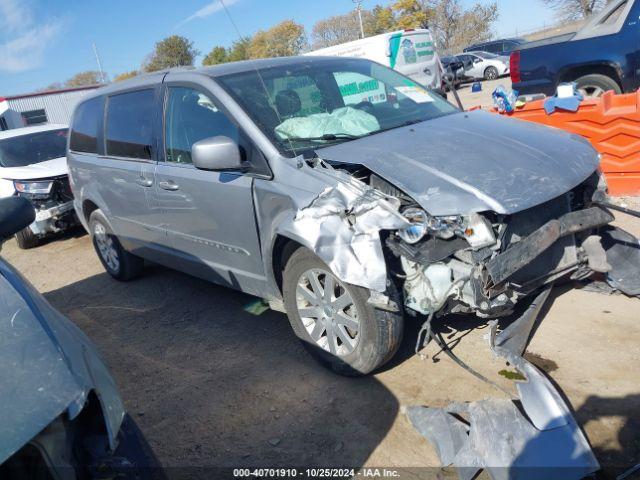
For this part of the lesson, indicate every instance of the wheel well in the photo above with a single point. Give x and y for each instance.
(577, 72)
(88, 208)
(283, 248)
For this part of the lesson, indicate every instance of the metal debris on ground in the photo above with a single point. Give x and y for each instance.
(531, 437)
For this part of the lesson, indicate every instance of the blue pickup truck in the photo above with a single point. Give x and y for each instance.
(603, 55)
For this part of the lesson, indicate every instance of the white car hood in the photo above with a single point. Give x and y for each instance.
(50, 168)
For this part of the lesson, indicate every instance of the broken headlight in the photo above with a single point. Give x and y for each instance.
(475, 228)
(417, 228)
(421, 224)
(478, 231)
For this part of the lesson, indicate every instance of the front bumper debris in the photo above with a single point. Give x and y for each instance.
(47, 218)
(533, 437)
(503, 266)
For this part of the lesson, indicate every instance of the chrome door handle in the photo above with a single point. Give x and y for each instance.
(144, 182)
(170, 185)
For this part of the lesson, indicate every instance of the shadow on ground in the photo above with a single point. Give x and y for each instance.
(211, 385)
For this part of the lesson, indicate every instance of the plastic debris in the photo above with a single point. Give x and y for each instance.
(567, 98)
(257, 307)
(503, 101)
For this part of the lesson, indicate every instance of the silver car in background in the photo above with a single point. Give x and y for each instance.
(341, 192)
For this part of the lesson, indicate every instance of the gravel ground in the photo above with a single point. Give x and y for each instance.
(483, 98)
(211, 385)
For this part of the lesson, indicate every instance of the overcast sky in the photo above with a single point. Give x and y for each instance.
(42, 41)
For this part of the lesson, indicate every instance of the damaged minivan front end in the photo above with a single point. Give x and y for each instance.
(451, 253)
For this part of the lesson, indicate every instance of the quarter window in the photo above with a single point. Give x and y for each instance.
(129, 129)
(192, 116)
(87, 119)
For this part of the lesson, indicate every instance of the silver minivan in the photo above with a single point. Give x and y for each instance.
(288, 179)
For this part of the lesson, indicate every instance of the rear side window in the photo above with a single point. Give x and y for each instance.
(129, 129)
(86, 125)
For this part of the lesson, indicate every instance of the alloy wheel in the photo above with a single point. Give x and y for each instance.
(328, 312)
(591, 91)
(106, 247)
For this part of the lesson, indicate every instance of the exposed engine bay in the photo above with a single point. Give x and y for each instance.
(53, 201)
(484, 263)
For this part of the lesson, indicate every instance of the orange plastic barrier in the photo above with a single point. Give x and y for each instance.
(612, 124)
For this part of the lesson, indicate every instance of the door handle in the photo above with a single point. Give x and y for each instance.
(144, 182)
(169, 185)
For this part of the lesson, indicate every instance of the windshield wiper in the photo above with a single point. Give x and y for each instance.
(326, 137)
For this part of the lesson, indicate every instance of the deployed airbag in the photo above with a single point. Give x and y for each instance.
(342, 121)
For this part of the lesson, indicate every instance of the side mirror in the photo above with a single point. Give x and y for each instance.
(216, 153)
(16, 213)
(477, 60)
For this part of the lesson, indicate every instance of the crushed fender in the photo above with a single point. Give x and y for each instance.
(343, 226)
(532, 437)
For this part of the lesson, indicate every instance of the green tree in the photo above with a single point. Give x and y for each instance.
(173, 51)
(216, 56)
(125, 76)
(89, 77)
(239, 50)
(380, 21)
(285, 39)
(412, 13)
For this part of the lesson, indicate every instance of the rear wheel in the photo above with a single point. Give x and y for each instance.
(491, 73)
(333, 319)
(27, 239)
(118, 263)
(595, 85)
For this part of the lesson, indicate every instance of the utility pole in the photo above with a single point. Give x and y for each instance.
(95, 51)
(359, 10)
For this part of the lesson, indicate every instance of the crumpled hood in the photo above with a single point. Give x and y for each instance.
(473, 162)
(50, 168)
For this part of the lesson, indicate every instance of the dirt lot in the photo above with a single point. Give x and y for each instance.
(211, 385)
(482, 98)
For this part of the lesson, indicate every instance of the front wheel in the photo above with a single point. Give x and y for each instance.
(118, 263)
(333, 319)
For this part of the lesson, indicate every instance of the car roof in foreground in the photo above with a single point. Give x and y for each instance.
(215, 71)
(17, 132)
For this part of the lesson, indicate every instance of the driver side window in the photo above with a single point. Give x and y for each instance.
(191, 116)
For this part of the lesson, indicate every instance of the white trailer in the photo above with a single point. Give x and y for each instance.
(410, 52)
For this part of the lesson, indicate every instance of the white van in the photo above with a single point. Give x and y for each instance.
(410, 52)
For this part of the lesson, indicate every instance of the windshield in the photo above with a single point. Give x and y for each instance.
(486, 55)
(33, 148)
(316, 103)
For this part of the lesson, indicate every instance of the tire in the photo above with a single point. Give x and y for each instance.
(27, 239)
(491, 73)
(118, 263)
(371, 341)
(595, 85)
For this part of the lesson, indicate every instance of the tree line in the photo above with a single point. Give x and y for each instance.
(452, 25)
